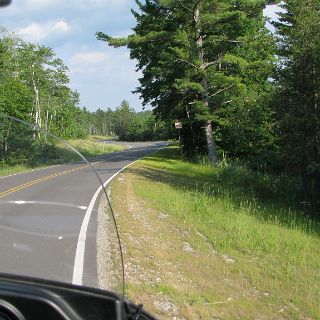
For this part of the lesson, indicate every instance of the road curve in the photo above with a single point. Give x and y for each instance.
(42, 212)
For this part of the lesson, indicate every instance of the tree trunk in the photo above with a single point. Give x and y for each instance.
(37, 103)
(211, 144)
(191, 128)
(205, 96)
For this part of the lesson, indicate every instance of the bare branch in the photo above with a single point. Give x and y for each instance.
(208, 64)
(234, 41)
(227, 40)
(184, 7)
(195, 17)
(196, 5)
(187, 62)
(222, 90)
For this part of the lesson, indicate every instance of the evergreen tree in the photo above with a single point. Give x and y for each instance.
(194, 61)
(298, 87)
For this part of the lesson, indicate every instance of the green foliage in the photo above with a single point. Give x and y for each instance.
(202, 61)
(128, 124)
(244, 216)
(216, 61)
(297, 97)
(34, 88)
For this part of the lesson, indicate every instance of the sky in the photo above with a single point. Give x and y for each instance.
(104, 76)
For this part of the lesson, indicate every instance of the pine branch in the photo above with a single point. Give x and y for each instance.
(184, 7)
(221, 90)
(233, 41)
(208, 64)
(187, 62)
(202, 67)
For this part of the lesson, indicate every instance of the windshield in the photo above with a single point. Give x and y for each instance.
(55, 217)
(222, 223)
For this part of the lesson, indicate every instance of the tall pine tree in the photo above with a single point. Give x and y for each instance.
(195, 57)
(298, 99)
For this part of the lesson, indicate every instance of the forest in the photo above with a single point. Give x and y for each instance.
(242, 92)
(35, 87)
(128, 124)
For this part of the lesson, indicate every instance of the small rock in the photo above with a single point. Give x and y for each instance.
(187, 247)
(166, 306)
(162, 216)
(228, 258)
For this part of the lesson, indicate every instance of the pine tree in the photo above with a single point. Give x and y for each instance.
(298, 99)
(193, 63)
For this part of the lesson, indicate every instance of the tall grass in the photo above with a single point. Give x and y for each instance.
(57, 153)
(247, 215)
(271, 199)
(89, 147)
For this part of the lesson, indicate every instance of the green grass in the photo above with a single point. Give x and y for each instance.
(60, 153)
(99, 138)
(6, 170)
(247, 216)
(89, 148)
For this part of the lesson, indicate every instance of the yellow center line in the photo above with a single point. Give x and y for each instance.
(33, 182)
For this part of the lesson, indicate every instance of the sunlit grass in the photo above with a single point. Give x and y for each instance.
(6, 170)
(90, 147)
(60, 153)
(275, 248)
(102, 138)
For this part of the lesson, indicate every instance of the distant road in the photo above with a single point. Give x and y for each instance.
(41, 214)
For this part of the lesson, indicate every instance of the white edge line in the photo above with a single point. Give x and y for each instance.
(77, 278)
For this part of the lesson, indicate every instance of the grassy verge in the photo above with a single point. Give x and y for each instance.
(99, 138)
(90, 147)
(204, 243)
(59, 153)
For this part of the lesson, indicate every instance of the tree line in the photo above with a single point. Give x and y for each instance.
(238, 89)
(128, 124)
(34, 87)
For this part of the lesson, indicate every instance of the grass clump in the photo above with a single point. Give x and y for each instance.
(264, 259)
(55, 152)
(90, 147)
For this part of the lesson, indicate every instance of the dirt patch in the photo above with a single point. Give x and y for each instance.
(108, 257)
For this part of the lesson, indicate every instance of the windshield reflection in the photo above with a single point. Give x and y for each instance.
(56, 222)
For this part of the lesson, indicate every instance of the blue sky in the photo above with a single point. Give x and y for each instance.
(103, 76)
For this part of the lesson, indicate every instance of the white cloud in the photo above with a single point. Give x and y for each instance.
(89, 58)
(37, 32)
(102, 65)
(61, 26)
(102, 75)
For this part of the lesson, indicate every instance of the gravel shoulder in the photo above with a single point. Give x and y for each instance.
(163, 269)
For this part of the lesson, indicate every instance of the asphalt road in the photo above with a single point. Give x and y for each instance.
(42, 213)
